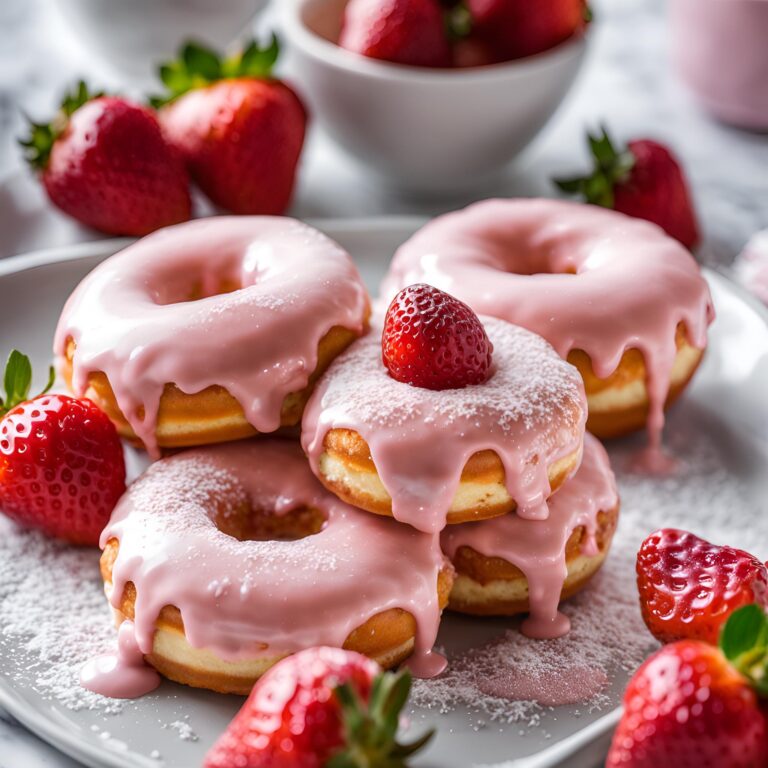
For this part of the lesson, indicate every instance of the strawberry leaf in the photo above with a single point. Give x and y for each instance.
(18, 380)
(370, 729)
(746, 630)
(199, 66)
(255, 61)
(458, 21)
(201, 62)
(744, 642)
(41, 137)
(611, 167)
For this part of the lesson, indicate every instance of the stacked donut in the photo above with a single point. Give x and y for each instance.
(224, 336)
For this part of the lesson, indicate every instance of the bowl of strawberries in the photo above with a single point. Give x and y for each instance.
(435, 95)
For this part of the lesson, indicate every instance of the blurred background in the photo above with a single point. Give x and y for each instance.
(627, 82)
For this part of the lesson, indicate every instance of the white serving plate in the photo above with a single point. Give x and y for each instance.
(726, 408)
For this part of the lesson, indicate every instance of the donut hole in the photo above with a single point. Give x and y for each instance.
(533, 270)
(244, 523)
(178, 289)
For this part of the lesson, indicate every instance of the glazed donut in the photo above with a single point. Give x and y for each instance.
(212, 330)
(622, 301)
(509, 565)
(434, 457)
(230, 557)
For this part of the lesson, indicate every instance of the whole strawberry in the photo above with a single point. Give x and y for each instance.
(433, 340)
(239, 129)
(517, 28)
(104, 161)
(689, 587)
(321, 708)
(409, 32)
(644, 180)
(692, 705)
(61, 461)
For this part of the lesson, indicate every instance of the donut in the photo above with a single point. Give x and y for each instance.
(509, 565)
(212, 330)
(229, 557)
(428, 458)
(617, 297)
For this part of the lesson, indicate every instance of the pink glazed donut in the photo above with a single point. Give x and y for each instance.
(225, 559)
(212, 330)
(622, 301)
(509, 565)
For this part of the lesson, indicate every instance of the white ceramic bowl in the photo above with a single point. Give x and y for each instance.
(428, 130)
(133, 36)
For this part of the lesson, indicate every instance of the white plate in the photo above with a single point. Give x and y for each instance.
(725, 411)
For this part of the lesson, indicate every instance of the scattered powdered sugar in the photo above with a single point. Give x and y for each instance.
(53, 615)
(184, 729)
(515, 679)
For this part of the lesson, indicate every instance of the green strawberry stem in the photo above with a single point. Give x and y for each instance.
(611, 167)
(744, 642)
(18, 380)
(198, 66)
(458, 21)
(42, 136)
(370, 729)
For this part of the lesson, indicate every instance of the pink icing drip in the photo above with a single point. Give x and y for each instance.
(532, 408)
(236, 597)
(653, 460)
(122, 674)
(537, 548)
(580, 276)
(131, 317)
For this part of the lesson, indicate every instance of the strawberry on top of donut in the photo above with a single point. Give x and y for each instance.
(62, 468)
(239, 129)
(644, 180)
(433, 340)
(689, 587)
(401, 31)
(692, 705)
(320, 708)
(104, 161)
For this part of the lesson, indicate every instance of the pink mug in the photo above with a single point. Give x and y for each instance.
(720, 48)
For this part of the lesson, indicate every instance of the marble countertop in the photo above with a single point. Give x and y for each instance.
(627, 83)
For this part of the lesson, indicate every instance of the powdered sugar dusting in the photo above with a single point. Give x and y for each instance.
(530, 412)
(608, 634)
(53, 612)
(53, 615)
(530, 385)
(184, 729)
(184, 534)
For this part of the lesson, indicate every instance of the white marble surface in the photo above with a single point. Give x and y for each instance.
(627, 83)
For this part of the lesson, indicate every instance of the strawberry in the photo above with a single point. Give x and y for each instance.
(240, 130)
(692, 705)
(433, 340)
(688, 587)
(321, 708)
(644, 180)
(409, 32)
(104, 161)
(61, 461)
(517, 28)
